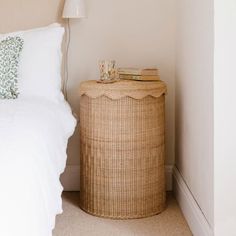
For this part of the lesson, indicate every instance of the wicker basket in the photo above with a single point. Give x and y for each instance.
(122, 149)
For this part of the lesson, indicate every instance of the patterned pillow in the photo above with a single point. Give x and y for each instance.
(10, 49)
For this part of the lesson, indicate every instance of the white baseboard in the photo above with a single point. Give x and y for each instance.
(193, 214)
(70, 178)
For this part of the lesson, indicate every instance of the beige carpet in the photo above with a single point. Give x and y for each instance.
(75, 222)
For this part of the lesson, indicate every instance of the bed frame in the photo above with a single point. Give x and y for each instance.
(25, 14)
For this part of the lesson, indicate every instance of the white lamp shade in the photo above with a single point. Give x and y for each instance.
(74, 9)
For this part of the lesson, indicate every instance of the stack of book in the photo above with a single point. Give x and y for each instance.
(139, 74)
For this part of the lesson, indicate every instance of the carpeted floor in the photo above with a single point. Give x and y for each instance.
(75, 222)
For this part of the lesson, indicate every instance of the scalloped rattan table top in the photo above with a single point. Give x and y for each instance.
(123, 88)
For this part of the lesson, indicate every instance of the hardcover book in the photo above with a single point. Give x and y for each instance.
(139, 72)
(139, 77)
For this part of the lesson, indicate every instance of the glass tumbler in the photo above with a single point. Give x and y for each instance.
(107, 69)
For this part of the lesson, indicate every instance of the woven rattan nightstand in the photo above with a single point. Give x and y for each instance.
(122, 148)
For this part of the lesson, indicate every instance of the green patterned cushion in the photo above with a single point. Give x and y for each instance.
(10, 49)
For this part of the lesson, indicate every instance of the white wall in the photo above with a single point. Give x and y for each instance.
(225, 118)
(194, 101)
(134, 33)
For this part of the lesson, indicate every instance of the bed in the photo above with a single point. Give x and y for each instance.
(35, 127)
(33, 139)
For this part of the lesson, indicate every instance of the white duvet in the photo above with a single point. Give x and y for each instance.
(33, 141)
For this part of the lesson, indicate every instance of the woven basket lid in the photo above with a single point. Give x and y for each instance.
(123, 88)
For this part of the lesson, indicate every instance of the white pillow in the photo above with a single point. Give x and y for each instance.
(40, 62)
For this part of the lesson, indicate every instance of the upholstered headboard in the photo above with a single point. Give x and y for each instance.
(25, 14)
(17, 15)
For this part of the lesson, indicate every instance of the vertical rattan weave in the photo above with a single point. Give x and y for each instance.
(122, 149)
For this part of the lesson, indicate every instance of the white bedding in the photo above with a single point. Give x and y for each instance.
(33, 140)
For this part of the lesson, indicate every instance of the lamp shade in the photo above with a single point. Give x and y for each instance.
(74, 9)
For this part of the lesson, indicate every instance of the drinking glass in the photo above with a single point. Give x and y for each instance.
(107, 69)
